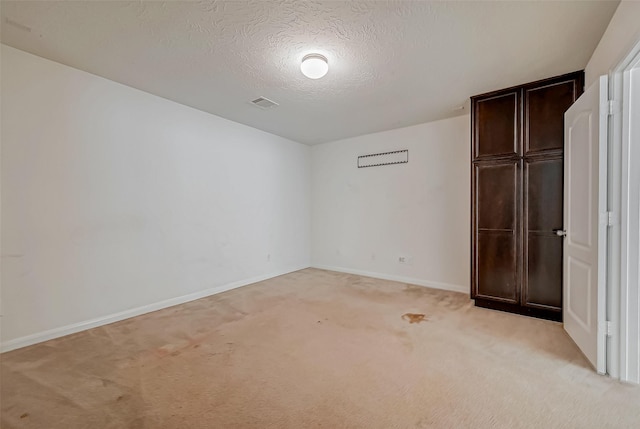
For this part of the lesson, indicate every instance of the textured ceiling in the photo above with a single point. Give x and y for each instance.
(392, 64)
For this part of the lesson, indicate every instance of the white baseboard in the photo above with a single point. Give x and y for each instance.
(411, 280)
(50, 334)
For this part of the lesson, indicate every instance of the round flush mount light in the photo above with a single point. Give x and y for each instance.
(314, 66)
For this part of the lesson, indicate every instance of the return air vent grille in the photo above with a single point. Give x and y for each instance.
(264, 103)
(385, 158)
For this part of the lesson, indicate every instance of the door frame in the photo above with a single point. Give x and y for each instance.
(623, 308)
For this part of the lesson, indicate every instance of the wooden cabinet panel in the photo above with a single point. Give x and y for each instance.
(497, 125)
(496, 275)
(496, 195)
(544, 108)
(543, 186)
(543, 189)
(543, 283)
(496, 200)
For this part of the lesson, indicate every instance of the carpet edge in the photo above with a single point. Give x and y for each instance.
(419, 282)
(50, 334)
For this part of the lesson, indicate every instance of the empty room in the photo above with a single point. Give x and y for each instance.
(319, 214)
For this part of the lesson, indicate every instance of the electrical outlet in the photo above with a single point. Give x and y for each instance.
(406, 260)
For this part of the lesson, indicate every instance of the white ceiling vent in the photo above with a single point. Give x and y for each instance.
(264, 103)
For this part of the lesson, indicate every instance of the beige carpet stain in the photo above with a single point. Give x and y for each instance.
(315, 349)
(414, 318)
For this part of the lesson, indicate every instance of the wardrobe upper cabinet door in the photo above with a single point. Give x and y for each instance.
(496, 120)
(544, 108)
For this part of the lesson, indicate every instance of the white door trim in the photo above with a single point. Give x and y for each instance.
(624, 249)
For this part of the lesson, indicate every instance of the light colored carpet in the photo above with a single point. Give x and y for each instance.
(315, 349)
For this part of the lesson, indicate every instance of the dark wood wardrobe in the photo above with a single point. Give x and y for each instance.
(517, 149)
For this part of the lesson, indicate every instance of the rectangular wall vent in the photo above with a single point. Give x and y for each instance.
(264, 103)
(385, 158)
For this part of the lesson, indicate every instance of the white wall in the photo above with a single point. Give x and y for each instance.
(364, 219)
(620, 36)
(116, 202)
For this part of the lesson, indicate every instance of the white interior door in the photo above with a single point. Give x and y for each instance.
(585, 222)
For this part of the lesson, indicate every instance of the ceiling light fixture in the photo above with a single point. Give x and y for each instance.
(314, 66)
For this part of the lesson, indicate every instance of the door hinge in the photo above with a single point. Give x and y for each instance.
(609, 329)
(613, 107)
(612, 218)
(606, 328)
